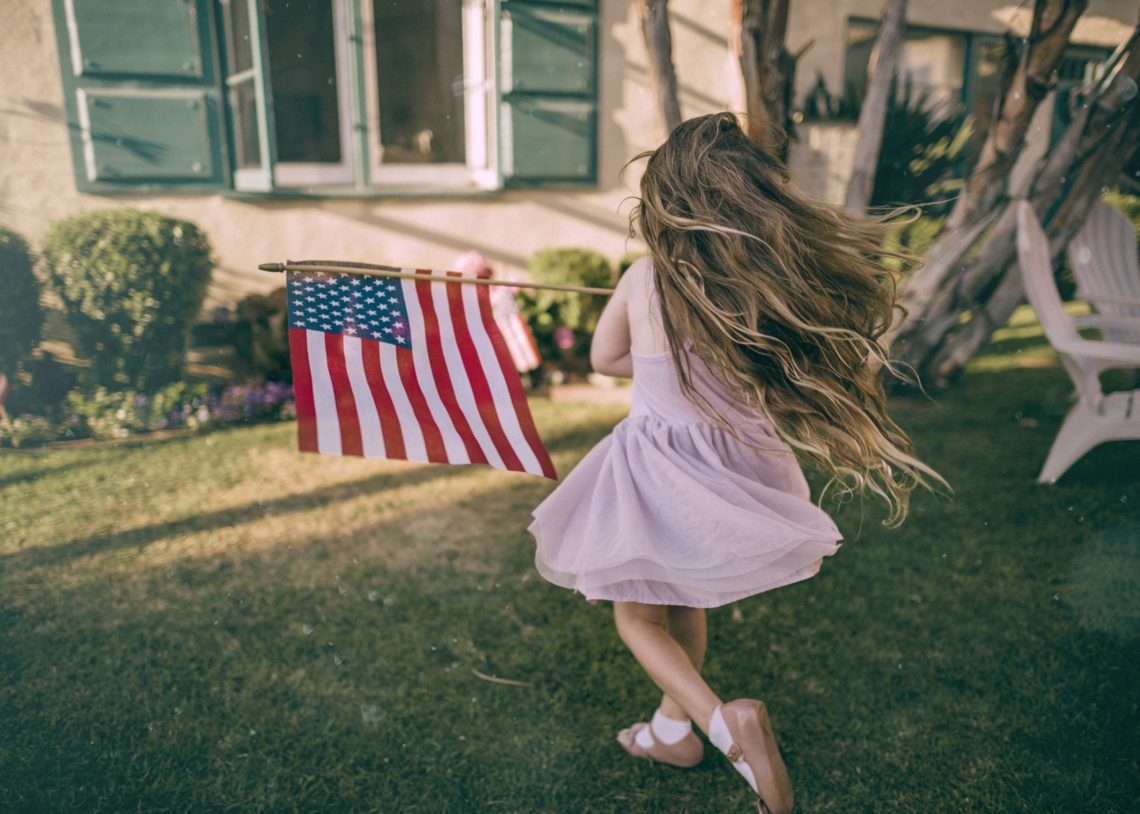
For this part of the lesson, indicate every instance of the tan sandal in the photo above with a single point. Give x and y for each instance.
(684, 754)
(754, 743)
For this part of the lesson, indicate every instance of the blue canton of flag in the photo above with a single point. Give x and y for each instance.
(350, 305)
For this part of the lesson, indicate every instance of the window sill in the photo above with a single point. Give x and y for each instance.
(359, 193)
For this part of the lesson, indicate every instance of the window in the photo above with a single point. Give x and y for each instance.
(931, 60)
(963, 70)
(430, 93)
(330, 96)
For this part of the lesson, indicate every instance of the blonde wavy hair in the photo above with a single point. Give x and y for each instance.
(784, 298)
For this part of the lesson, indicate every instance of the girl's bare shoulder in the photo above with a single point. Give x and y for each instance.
(645, 329)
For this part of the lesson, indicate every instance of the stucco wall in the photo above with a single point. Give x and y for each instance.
(37, 186)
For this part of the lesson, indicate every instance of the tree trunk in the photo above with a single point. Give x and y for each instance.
(659, 46)
(873, 114)
(1049, 33)
(1092, 153)
(766, 65)
(1052, 25)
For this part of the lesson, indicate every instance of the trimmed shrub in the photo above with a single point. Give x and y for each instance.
(132, 283)
(563, 322)
(21, 317)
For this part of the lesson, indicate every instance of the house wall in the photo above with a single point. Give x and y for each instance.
(37, 185)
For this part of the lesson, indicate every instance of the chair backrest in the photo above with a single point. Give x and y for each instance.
(1104, 259)
(1037, 275)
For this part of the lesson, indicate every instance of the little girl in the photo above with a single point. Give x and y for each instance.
(749, 330)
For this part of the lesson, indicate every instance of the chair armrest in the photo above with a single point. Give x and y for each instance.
(1111, 300)
(1110, 354)
(1123, 323)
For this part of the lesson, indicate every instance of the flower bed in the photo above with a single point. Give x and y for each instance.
(106, 414)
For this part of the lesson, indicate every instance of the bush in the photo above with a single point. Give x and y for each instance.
(261, 336)
(132, 283)
(117, 413)
(21, 318)
(563, 322)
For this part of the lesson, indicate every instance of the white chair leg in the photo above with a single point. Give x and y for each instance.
(1077, 436)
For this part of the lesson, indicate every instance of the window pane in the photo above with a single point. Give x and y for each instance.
(243, 105)
(932, 61)
(419, 67)
(238, 45)
(860, 42)
(302, 75)
(992, 55)
(937, 62)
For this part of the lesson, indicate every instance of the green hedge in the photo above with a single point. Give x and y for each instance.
(21, 317)
(549, 311)
(132, 283)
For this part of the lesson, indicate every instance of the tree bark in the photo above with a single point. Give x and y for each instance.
(873, 114)
(766, 66)
(1049, 33)
(988, 181)
(659, 47)
(1093, 151)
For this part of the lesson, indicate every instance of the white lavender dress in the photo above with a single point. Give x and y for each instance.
(669, 509)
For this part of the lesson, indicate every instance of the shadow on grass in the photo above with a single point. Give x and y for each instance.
(252, 511)
(28, 475)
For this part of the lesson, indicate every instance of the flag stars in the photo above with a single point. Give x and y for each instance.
(351, 305)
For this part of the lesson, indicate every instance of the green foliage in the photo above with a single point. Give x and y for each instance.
(21, 318)
(547, 311)
(29, 430)
(261, 335)
(921, 149)
(915, 236)
(118, 413)
(51, 381)
(131, 282)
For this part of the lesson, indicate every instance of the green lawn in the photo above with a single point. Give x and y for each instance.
(217, 622)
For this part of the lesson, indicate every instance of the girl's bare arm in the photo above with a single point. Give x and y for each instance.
(609, 350)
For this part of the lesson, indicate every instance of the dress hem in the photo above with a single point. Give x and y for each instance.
(717, 603)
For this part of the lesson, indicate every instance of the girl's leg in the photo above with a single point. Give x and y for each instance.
(752, 748)
(642, 628)
(689, 627)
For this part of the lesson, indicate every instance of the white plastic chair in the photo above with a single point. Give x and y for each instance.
(1104, 260)
(1095, 418)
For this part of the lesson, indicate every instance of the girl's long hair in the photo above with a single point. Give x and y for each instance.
(784, 298)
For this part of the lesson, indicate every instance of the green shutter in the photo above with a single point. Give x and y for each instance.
(548, 110)
(140, 80)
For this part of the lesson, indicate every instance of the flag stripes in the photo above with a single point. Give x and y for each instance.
(449, 393)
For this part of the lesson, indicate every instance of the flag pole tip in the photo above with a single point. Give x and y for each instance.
(272, 266)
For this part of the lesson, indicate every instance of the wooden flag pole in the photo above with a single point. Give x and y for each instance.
(374, 270)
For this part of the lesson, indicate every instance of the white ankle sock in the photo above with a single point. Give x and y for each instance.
(670, 730)
(721, 738)
(665, 730)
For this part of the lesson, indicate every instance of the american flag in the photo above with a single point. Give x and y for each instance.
(519, 338)
(406, 369)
